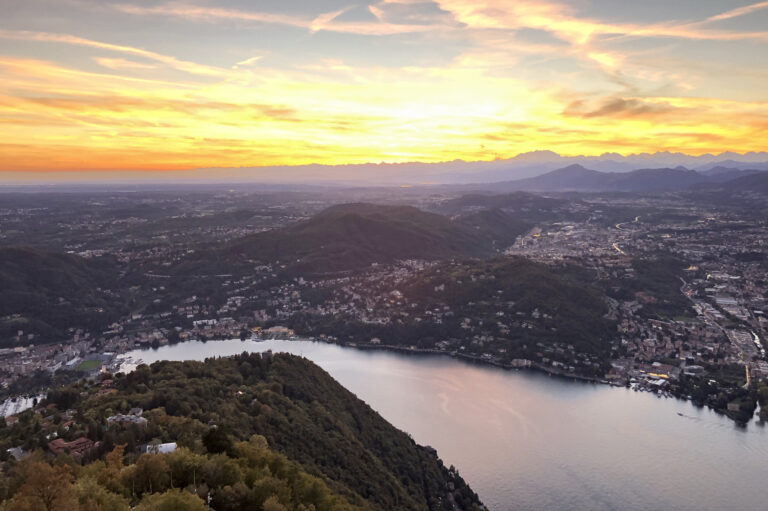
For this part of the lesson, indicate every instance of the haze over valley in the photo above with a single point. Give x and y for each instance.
(383, 255)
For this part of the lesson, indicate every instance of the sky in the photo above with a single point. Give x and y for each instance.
(150, 85)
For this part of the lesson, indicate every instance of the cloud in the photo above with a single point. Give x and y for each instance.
(412, 13)
(122, 64)
(201, 13)
(37, 75)
(325, 22)
(530, 74)
(192, 106)
(181, 65)
(248, 62)
(619, 107)
(740, 11)
(561, 19)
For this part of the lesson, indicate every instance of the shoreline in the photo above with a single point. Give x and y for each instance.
(475, 359)
(419, 351)
(540, 368)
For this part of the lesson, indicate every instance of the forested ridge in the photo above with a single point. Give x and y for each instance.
(258, 433)
(46, 293)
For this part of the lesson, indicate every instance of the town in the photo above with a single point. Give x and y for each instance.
(682, 284)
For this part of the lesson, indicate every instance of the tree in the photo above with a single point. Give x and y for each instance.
(216, 440)
(150, 474)
(110, 476)
(172, 500)
(232, 498)
(272, 504)
(267, 488)
(220, 471)
(93, 497)
(186, 467)
(45, 488)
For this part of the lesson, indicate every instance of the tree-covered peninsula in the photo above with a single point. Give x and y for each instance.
(250, 432)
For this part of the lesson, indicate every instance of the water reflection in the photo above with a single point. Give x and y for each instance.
(527, 441)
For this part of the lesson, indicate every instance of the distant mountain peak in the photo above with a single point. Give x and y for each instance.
(575, 170)
(540, 156)
(575, 167)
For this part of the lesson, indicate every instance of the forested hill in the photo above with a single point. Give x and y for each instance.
(352, 236)
(273, 432)
(46, 293)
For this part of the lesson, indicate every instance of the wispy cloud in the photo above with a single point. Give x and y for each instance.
(560, 18)
(248, 62)
(181, 65)
(740, 11)
(623, 107)
(323, 22)
(202, 13)
(122, 63)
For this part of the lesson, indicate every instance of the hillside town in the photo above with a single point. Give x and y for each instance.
(705, 321)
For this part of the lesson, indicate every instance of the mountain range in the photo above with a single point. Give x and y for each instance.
(523, 165)
(578, 178)
(755, 183)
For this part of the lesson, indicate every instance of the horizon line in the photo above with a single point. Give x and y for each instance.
(554, 155)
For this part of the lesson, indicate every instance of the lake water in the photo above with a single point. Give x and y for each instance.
(526, 441)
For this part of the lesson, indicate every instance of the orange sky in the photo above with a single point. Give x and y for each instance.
(176, 85)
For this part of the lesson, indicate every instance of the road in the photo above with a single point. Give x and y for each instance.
(713, 321)
(619, 225)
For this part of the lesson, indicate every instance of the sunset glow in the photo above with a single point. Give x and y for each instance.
(152, 85)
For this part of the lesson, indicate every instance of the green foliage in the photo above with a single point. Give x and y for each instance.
(92, 496)
(46, 293)
(657, 286)
(497, 225)
(63, 398)
(253, 433)
(353, 236)
(518, 287)
(172, 500)
(44, 488)
(216, 440)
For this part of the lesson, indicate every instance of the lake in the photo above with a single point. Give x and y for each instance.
(527, 441)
